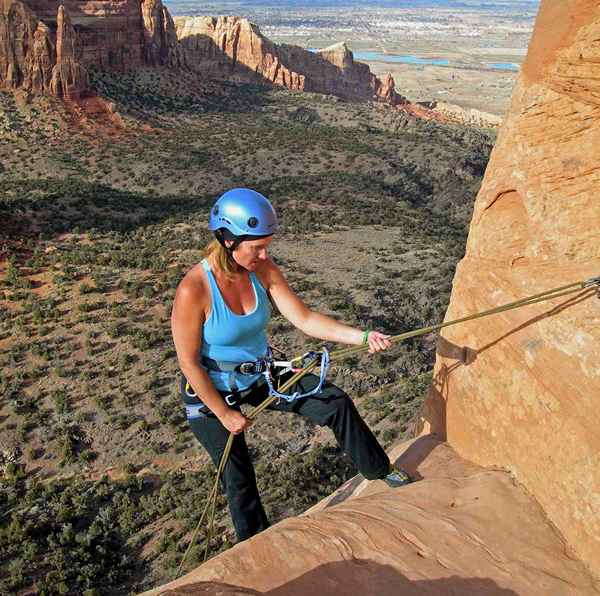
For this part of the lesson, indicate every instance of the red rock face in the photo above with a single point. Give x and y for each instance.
(526, 396)
(231, 47)
(51, 54)
(160, 41)
(40, 66)
(46, 47)
(20, 65)
(69, 78)
(111, 32)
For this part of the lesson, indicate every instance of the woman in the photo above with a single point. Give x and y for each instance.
(220, 313)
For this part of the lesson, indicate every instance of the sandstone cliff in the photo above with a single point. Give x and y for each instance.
(69, 78)
(29, 57)
(117, 35)
(232, 47)
(517, 393)
(47, 46)
(461, 530)
(160, 40)
(529, 401)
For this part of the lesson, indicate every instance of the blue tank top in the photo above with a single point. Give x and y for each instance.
(230, 337)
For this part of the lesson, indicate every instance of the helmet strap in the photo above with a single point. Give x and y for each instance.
(223, 234)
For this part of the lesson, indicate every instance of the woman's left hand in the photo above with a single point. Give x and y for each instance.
(378, 342)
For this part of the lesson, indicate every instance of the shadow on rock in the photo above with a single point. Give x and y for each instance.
(432, 419)
(359, 576)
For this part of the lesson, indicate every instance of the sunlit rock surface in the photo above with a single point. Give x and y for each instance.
(39, 58)
(520, 390)
(232, 47)
(460, 530)
(47, 46)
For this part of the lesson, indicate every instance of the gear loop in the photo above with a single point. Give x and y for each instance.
(324, 366)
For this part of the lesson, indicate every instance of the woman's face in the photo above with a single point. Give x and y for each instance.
(250, 253)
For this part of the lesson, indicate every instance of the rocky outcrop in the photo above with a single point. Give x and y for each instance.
(460, 530)
(111, 32)
(38, 58)
(160, 40)
(232, 47)
(386, 90)
(467, 116)
(69, 78)
(47, 46)
(26, 50)
(526, 397)
(38, 73)
(229, 47)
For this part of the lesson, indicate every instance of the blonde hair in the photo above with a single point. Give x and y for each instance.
(221, 257)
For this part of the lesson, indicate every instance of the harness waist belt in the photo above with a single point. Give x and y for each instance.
(245, 368)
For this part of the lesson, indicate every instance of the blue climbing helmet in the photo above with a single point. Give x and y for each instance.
(241, 213)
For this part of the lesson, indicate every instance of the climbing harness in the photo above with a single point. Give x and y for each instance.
(311, 364)
(269, 368)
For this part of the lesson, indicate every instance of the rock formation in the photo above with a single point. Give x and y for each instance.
(38, 73)
(69, 78)
(232, 47)
(47, 47)
(26, 50)
(529, 401)
(468, 116)
(40, 57)
(160, 40)
(112, 32)
(36, 58)
(517, 393)
(460, 531)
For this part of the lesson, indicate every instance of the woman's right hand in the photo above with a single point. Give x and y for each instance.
(235, 422)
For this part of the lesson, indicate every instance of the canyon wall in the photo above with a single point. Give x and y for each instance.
(37, 57)
(48, 47)
(232, 47)
(521, 389)
(118, 35)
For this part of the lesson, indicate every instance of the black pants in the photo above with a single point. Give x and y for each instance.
(332, 408)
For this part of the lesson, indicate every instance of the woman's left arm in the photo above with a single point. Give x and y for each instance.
(312, 323)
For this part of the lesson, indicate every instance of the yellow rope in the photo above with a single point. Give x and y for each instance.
(344, 353)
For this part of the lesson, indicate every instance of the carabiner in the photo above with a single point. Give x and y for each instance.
(189, 390)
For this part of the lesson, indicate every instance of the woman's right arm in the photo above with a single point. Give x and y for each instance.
(187, 319)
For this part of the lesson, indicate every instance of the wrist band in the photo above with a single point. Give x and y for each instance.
(365, 339)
